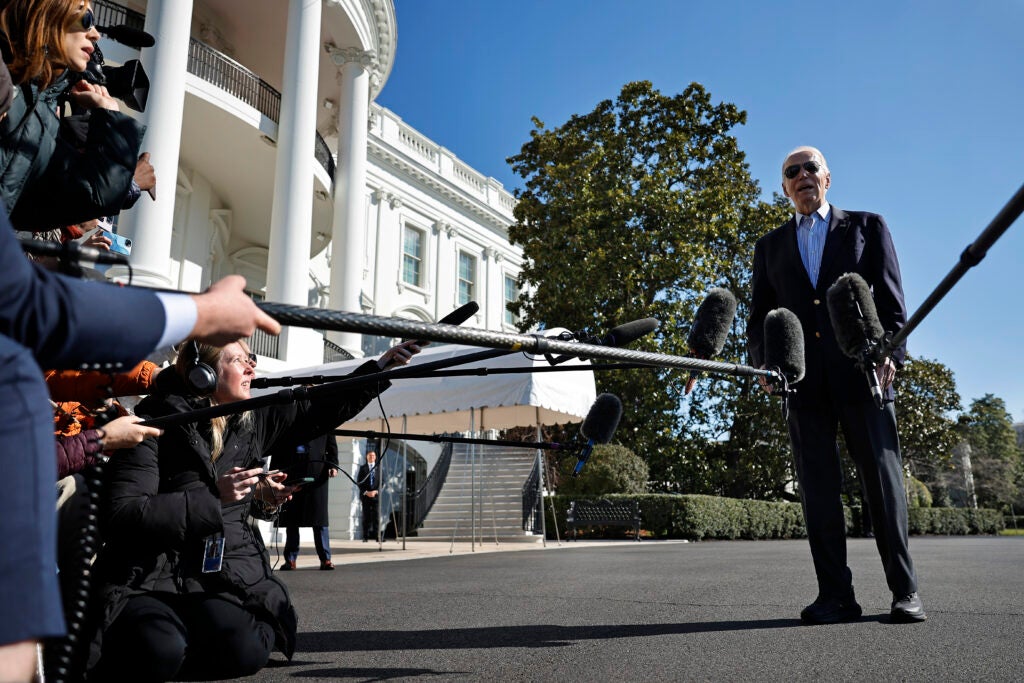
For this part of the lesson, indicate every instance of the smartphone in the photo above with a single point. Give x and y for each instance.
(295, 481)
(118, 243)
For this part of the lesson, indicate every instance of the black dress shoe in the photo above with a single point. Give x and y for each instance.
(327, 566)
(830, 611)
(907, 609)
(287, 565)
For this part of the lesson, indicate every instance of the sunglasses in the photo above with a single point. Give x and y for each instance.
(85, 22)
(794, 170)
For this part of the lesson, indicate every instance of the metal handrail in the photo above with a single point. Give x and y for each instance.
(423, 500)
(218, 69)
(531, 498)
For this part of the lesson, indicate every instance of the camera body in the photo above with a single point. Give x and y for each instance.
(128, 83)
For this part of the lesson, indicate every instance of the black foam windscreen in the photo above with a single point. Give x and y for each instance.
(461, 314)
(456, 317)
(629, 332)
(126, 35)
(784, 344)
(712, 323)
(854, 316)
(603, 419)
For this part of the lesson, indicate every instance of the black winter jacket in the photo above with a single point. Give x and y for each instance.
(163, 502)
(46, 182)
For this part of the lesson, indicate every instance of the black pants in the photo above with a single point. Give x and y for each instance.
(163, 637)
(371, 508)
(874, 447)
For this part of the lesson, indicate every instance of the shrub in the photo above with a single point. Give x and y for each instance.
(697, 517)
(610, 469)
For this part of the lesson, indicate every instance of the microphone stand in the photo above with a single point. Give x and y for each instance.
(300, 393)
(422, 372)
(260, 382)
(441, 438)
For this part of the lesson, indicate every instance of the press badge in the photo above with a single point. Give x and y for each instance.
(213, 557)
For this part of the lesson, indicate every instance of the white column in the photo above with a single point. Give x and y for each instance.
(350, 186)
(291, 217)
(149, 223)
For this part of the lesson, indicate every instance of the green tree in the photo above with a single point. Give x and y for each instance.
(926, 399)
(636, 209)
(995, 456)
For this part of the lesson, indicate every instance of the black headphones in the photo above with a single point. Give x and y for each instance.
(199, 376)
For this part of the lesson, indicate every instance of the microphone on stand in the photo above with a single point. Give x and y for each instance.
(710, 328)
(858, 330)
(784, 351)
(598, 427)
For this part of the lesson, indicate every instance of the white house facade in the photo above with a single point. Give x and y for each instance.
(274, 162)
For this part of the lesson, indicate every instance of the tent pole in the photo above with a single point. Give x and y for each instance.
(405, 478)
(540, 489)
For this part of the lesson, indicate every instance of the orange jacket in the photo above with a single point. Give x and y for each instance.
(78, 394)
(88, 386)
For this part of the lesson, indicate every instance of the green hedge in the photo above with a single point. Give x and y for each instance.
(697, 517)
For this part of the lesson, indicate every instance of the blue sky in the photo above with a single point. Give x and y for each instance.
(918, 106)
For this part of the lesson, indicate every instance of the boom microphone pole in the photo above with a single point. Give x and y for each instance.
(970, 257)
(342, 321)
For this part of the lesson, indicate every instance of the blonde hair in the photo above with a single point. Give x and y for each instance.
(32, 38)
(210, 355)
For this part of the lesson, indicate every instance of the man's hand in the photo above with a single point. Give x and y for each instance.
(225, 313)
(886, 373)
(145, 176)
(763, 381)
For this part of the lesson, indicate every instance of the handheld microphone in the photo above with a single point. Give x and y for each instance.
(126, 35)
(619, 336)
(858, 330)
(710, 329)
(599, 426)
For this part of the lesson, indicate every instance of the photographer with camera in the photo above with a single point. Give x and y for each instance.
(47, 45)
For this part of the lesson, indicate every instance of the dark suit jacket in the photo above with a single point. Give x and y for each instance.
(364, 480)
(857, 242)
(308, 506)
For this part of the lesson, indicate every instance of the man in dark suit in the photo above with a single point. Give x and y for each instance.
(369, 491)
(794, 265)
(317, 459)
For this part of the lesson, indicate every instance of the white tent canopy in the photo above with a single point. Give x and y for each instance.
(480, 402)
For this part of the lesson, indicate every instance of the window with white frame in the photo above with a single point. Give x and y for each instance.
(467, 277)
(412, 256)
(511, 294)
